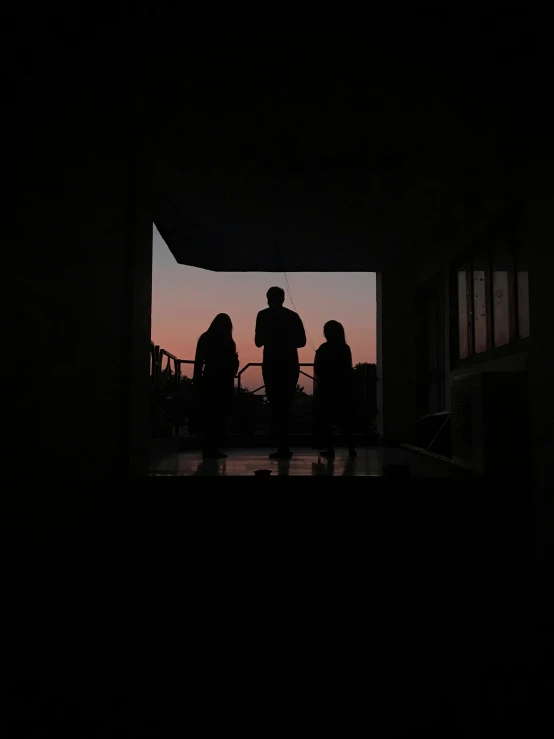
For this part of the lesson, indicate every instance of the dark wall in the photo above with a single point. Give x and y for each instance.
(395, 356)
(78, 245)
(539, 237)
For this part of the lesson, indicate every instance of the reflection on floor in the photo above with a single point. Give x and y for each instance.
(373, 461)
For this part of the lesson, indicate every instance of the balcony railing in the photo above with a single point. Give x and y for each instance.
(161, 377)
(172, 400)
(172, 397)
(259, 364)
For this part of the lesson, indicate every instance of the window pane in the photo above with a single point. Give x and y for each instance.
(463, 345)
(523, 322)
(502, 294)
(501, 306)
(480, 310)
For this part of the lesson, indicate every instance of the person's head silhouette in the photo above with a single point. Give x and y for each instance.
(334, 332)
(275, 296)
(221, 328)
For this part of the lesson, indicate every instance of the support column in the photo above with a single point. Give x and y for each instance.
(395, 356)
(80, 242)
(540, 238)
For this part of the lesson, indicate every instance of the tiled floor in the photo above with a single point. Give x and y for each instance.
(305, 462)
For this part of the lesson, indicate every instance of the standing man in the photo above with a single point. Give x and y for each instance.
(281, 333)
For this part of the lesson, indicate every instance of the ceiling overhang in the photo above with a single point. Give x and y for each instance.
(357, 160)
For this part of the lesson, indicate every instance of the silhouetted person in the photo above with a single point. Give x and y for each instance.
(215, 366)
(333, 390)
(281, 333)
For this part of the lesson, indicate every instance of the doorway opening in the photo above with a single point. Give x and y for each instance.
(186, 299)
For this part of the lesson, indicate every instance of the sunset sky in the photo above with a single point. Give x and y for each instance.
(186, 299)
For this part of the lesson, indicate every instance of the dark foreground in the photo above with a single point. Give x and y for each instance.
(399, 608)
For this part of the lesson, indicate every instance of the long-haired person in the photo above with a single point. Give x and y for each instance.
(333, 390)
(215, 366)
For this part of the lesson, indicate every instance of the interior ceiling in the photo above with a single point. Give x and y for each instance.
(325, 149)
(319, 153)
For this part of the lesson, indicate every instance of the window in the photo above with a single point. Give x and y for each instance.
(492, 295)
(502, 269)
(463, 314)
(480, 306)
(522, 280)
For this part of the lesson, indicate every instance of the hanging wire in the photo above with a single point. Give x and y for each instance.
(295, 308)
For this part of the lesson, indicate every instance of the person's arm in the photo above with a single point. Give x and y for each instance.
(259, 337)
(349, 359)
(316, 373)
(300, 333)
(198, 364)
(236, 363)
(321, 363)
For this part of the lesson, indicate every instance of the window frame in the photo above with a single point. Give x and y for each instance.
(467, 260)
(463, 264)
(517, 262)
(512, 296)
(481, 260)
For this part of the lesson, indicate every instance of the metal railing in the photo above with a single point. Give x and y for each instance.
(297, 417)
(166, 382)
(259, 364)
(172, 399)
(166, 412)
(159, 375)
